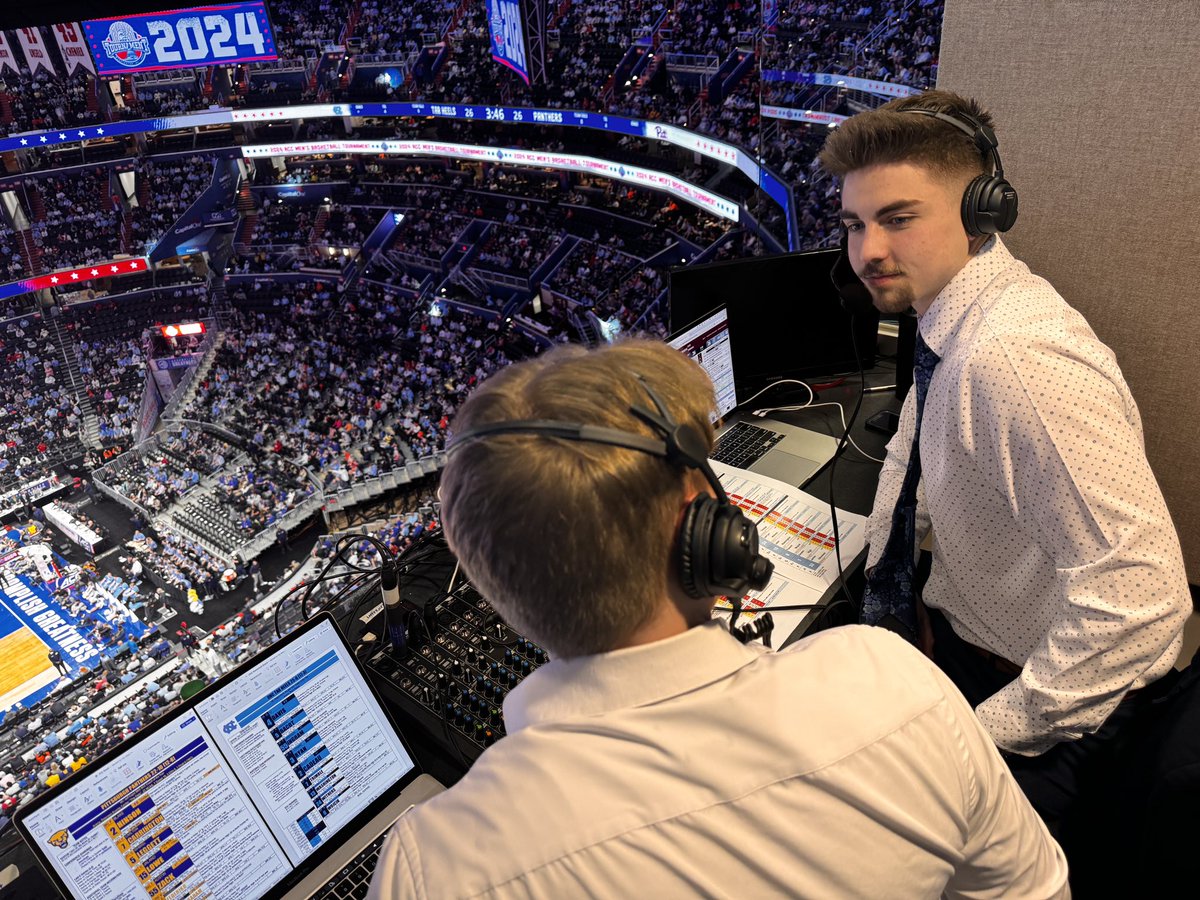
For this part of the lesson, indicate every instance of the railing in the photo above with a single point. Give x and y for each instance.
(706, 62)
(370, 488)
(298, 64)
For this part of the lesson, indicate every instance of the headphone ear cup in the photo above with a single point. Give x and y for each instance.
(989, 205)
(694, 536)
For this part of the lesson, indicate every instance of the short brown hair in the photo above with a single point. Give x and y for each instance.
(572, 541)
(888, 135)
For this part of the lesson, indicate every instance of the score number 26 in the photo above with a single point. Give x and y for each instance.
(194, 42)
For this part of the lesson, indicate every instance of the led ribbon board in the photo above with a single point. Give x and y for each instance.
(647, 178)
(64, 278)
(183, 39)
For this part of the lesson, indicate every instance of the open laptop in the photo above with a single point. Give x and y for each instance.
(281, 779)
(766, 446)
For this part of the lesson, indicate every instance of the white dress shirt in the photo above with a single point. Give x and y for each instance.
(844, 766)
(1052, 545)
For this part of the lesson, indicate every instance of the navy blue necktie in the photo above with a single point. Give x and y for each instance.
(889, 599)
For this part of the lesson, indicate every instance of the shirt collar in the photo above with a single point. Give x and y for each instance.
(633, 676)
(950, 306)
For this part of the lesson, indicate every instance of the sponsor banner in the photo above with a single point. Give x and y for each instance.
(220, 217)
(149, 411)
(183, 361)
(870, 85)
(7, 60)
(74, 51)
(508, 35)
(36, 52)
(811, 116)
(181, 39)
(183, 236)
(603, 168)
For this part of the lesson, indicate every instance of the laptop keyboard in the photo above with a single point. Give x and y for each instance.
(743, 445)
(355, 877)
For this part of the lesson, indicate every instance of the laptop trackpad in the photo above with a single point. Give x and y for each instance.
(786, 467)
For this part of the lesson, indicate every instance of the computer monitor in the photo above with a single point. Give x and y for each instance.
(707, 342)
(785, 315)
(236, 793)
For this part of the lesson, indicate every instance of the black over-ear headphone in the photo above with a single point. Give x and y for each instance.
(989, 204)
(718, 545)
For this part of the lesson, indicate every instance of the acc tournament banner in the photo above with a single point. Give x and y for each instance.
(508, 35)
(183, 39)
(74, 50)
(36, 53)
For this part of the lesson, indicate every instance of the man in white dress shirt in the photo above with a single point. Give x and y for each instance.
(1057, 589)
(655, 755)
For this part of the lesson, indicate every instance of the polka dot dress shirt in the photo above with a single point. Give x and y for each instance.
(1052, 545)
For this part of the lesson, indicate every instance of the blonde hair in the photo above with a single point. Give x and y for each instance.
(572, 541)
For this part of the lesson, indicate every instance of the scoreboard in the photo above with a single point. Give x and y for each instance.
(182, 39)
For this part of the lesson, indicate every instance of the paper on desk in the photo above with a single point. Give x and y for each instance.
(795, 532)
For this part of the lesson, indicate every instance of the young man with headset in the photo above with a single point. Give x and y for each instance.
(656, 754)
(1057, 591)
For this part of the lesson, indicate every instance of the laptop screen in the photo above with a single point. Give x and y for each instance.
(707, 342)
(232, 792)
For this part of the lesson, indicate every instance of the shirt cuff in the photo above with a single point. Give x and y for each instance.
(1006, 717)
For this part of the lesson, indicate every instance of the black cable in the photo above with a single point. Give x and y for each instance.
(306, 585)
(837, 539)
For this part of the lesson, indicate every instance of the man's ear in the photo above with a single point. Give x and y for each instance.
(976, 243)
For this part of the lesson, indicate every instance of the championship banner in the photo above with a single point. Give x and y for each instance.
(182, 39)
(74, 51)
(508, 35)
(36, 52)
(7, 60)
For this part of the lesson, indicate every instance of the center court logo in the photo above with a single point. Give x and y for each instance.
(125, 45)
(230, 727)
(59, 839)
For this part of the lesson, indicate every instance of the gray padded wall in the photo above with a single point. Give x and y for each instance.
(1097, 107)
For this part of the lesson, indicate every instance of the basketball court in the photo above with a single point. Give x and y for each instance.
(25, 669)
